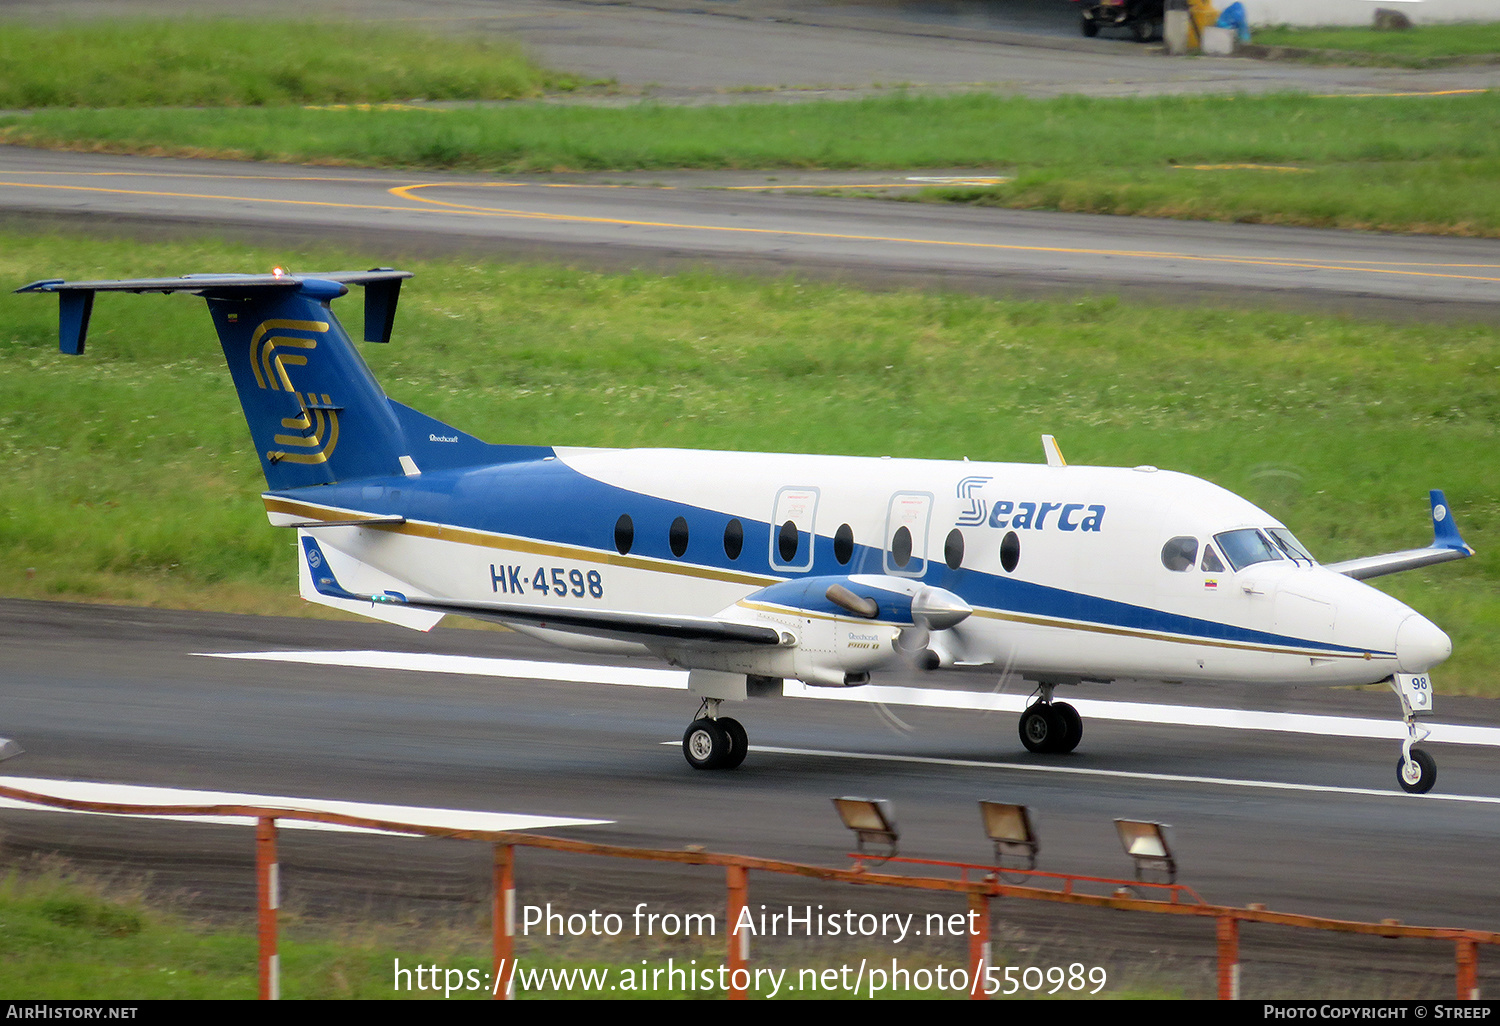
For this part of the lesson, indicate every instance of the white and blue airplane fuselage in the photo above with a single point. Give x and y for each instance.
(753, 568)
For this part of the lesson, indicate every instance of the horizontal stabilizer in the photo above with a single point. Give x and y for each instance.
(354, 522)
(1447, 544)
(382, 289)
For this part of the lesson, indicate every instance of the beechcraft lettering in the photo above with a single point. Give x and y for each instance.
(749, 569)
(1032, 516)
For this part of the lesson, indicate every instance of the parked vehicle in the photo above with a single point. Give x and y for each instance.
(1142, 17)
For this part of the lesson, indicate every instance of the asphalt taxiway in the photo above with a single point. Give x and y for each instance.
(761, 223)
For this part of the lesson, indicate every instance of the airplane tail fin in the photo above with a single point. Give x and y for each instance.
(316, 413)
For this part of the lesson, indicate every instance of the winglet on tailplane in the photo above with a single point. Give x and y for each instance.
(316, 413)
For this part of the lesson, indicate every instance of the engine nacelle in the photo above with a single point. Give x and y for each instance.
(845, 626)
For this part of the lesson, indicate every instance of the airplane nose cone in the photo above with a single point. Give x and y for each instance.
(1420, 645)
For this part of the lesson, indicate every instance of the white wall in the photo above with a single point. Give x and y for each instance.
(1362, 12)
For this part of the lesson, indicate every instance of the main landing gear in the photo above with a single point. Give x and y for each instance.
(1048, 727)
(713, 741)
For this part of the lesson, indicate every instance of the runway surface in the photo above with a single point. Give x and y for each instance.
(1306, 822)
(761, 222)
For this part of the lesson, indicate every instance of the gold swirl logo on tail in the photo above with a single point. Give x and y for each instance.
(317, 427)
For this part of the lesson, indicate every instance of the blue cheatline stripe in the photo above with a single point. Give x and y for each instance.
(548, 501)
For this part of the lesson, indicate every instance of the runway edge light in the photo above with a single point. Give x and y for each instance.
(1146, 844)
(873, 822)
(1009, 827)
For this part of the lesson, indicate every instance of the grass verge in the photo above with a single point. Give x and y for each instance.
(130, 478)
(205, 63)
(69, 937)
(1404, 163)
(1422, 46)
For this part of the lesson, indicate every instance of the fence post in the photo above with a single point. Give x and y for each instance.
(979, 944)
(503, 923)
(1229, 957)
(738, 879)
(268, 895)
(1468, 969)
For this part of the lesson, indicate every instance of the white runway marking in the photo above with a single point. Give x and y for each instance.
(135, 794)
(931, 698)
(1168, 778)
(518, 669)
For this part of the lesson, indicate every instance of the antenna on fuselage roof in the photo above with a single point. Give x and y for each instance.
(1053, 453)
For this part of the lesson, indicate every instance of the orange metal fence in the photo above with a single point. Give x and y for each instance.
(988, 885)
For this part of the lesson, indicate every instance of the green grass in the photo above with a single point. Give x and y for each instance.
(68, 937)
(207, 63)
(1390, 163)
(1414, 47)
(130, 477)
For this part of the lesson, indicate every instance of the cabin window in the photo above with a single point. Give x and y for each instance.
(1211, 563)
(786, 542)
(901, 546)
(677, 536)
(1180, 554)
(1010, 551)
(624, 533)
(953, 549)
(734, 539)
(843, 544)
(1245, 547)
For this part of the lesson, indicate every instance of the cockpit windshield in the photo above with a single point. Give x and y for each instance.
(1290, 545)
(1247, 546)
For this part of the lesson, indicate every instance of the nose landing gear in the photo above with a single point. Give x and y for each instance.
(1416, 771)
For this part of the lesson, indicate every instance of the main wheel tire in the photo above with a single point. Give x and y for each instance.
(739, 741)
(705, 745)
(1072, 727)
(1041, 729)
(1089, 26)
(1417, 776)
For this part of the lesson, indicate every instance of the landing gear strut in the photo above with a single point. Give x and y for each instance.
(1048, 727)
(1416, 771)
(713, 741)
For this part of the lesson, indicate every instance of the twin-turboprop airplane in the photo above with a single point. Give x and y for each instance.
(749, 568)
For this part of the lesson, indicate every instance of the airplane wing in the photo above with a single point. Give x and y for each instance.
(1446, 544)
(640, 628)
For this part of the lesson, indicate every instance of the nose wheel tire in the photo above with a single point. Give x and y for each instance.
(1418, 775)
(714, 744)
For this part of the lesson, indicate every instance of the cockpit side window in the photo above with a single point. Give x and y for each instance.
(1246, 546)
(1211, 563)
(1179, 554)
